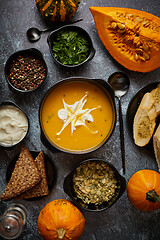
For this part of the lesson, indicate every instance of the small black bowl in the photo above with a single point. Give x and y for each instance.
(69, 190)
(53, 36)
(10, 103)
(32, 52)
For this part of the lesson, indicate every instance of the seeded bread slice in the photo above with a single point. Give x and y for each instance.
(144, 120)
(24, 176)
(41, 189)
(156, 145)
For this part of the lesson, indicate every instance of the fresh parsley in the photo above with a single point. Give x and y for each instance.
(70, 47)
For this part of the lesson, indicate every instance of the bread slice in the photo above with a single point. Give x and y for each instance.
(24, 176)
(156, 95)
(156, 145)
(144, 120)
(41, 189)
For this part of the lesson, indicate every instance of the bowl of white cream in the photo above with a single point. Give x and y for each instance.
(14, 124)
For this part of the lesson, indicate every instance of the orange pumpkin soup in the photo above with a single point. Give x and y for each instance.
(77, 116)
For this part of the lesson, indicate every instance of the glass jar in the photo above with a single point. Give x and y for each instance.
(13, 221)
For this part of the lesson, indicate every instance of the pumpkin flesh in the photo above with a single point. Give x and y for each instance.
(139, 185)
(60, 219)
(131, 36)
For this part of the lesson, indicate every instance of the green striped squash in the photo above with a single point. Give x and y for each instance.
(57, 10)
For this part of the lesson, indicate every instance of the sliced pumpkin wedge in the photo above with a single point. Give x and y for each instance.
(131, 36)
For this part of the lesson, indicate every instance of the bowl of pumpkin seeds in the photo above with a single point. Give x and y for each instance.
(94, 185)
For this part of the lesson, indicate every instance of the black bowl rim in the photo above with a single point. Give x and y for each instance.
(121, 179)
(112, 101)
(147, 88)
(9, 102)
(28, 50)
(92, 49)
(130, 117)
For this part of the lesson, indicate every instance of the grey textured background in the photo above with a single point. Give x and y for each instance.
(121, 221)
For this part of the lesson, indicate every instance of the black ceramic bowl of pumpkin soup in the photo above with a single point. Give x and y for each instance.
(77, 115)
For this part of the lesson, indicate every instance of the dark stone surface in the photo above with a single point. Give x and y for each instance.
(121, 221)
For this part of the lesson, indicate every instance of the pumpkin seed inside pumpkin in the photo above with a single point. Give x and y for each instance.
(130, 38)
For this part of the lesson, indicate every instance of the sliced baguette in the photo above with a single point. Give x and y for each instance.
(156, 95)
(156, 145)
(144, 120)
(24, 176)
(41, 189)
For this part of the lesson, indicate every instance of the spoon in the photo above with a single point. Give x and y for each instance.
(34, 34)
(120, 84)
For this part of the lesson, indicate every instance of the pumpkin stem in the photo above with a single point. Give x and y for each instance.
(152, 196)
(61, 232)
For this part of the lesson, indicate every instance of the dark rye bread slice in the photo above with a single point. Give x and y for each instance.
(41, 189)
(24, 176)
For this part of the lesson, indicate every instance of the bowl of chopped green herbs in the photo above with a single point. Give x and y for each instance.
(70, 46)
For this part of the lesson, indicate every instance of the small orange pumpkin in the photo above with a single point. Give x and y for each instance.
(143, 190)
(60, 219)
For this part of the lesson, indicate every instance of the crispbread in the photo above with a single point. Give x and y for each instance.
(24, 176)
(41, 189)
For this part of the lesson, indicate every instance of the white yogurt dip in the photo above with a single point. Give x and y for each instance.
(13, 125)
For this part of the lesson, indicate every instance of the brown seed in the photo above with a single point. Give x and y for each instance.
(121, 26)
(143, 59)
(145, 47)
(139, 51)
(137, 19)
(113, 25)
(136, 57)
(146, 56)
(145, 22)
(121, 30)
